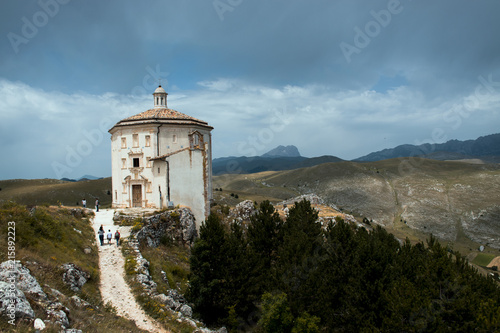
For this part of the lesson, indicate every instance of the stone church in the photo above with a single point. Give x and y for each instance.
(162, 158)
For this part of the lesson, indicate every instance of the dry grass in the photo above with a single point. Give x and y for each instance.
(175, 262)
(54, 192)
(62, 239)
(432, 196)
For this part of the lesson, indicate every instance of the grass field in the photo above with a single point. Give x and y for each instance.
(483, 259)
(34, 192)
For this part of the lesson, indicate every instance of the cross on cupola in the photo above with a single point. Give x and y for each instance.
(160, 97)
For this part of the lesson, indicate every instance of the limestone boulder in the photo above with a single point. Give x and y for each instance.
(186, 310)
(74, 276)
(24, 280)
(174, 226)
(242, 212)
(9, 296)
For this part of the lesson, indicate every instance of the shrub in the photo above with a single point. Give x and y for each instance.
(130, 265)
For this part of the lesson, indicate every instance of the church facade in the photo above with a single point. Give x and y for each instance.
(162, 158)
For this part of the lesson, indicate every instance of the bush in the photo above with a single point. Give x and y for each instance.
(137, 224)
(276, 314)
(130, 265)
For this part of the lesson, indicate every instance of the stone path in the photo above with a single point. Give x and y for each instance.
(114, 288)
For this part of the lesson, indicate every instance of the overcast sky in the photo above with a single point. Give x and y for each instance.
(342, 78)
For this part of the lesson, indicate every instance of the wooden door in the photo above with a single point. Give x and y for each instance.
(136, 196)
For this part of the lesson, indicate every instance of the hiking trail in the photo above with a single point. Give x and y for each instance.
(113, 287)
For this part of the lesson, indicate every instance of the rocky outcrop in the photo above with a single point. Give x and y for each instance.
(312, 198)
(81, 212)
(19, 287)
(174, 226)
(242, 212)
(13, 302)
(74, 276)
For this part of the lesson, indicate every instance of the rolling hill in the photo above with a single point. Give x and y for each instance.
(52, 191)
(455, 201)
(452, 200)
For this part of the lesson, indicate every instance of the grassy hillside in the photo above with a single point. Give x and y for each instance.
(54, 192)
(46, 238)
(457, 202)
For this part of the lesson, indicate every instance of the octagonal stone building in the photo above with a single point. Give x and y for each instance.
(162, 158)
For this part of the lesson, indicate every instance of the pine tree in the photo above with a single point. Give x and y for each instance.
(208, 284)
(300, 256)
(264, 238)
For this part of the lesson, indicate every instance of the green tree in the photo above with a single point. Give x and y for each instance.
(306, 324)
(300, 256)
(264, 239)
(238, 300)
(208, 284)
(276, 314)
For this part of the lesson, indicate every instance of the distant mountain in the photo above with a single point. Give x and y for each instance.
(486, 148)
(253, 164)
(88, 177)
(68, 180)
(282, 151)
(277, 159)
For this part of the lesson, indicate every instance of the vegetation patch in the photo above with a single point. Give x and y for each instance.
(46, 238)
(172, 260)
(295, 276)
(483, 259)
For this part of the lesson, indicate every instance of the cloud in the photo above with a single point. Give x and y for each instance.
(67, 133)
(268, 73)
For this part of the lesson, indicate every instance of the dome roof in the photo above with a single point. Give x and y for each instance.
(161, 116)
(160, 90)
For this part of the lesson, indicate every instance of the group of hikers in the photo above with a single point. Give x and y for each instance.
(109, 236)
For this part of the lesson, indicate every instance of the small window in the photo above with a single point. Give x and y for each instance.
(195, 140)
(124, 142)
(136, 162)
(135, 140)
(158, 170)
(174, 138)
(116, 195)
(124, 163)
(148, 140)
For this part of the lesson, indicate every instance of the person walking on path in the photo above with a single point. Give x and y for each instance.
(110, 235)
(84, 203)
(117, 237)
(111, 268)
(96, 205)
(101, 235)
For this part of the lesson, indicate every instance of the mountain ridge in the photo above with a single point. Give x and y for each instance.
(486, 148)
(282, 151)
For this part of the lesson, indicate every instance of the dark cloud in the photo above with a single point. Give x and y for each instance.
(412, 71)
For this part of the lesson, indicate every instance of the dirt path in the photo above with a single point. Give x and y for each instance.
(113, 287)
(494, 262)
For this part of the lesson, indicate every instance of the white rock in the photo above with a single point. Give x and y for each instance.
(39, 324)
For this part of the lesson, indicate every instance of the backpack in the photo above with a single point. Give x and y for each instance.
(117, 234)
